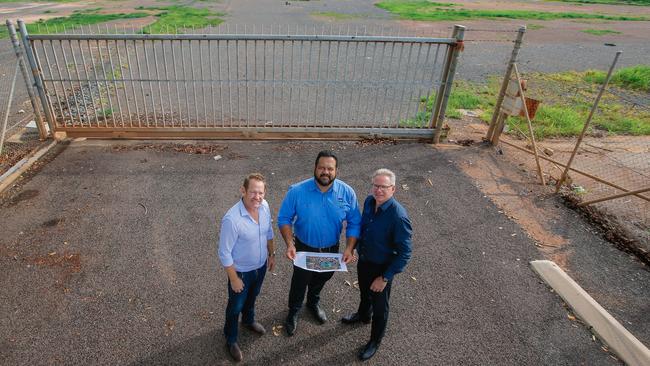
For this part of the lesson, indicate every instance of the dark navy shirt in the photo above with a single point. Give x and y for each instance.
(385, 236)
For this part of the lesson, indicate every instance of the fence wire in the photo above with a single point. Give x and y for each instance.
(18, 131)
(614, 156)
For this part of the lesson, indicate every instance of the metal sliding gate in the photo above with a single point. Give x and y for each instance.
(242, 86)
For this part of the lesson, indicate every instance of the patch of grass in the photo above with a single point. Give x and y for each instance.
(58, 24)
(49, 12)
(534, 26)
(633, 77)
(334, 15)
(177, 18)
(600, 32)
(427, 11)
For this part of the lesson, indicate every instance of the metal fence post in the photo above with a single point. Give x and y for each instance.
(438, 116)
(504, 85)
(28, 83)
(37, 75)
(584, 128)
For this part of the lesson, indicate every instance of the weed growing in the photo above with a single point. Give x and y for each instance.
(178, 18)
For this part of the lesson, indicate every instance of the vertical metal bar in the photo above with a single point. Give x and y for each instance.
(317, 80)
(273, 81)
(246, 81)
(281, 104)
(506, 79)
(210, 61)
(291, 68)
(28, 83)
(205, 110)
(108, 89)
(168, 82)
(300, 80)
(150, 77)
(144, 98)
(264, 81)
(584, 128)
(370, 90)
(135, 96)
(396, 83)
(36, 74)
(530, 126)
(237, 78)
(430, 91)
(459, 34)
(159, 82)
(117, 96)
(223, 121)
(308, 78)
(177, 82)
(184, 76)
(255, 80)
(40, 67)
(126, 91)
(229, 80)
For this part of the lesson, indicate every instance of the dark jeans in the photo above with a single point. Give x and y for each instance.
(309, 281)
(372, 303)
(243, 302)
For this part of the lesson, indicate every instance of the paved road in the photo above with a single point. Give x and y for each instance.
(108, 257)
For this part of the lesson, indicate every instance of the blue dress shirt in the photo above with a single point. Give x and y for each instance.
(385, 236)
(242, 241)
(319, 216)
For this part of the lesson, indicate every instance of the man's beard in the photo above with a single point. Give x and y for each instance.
(324, 179)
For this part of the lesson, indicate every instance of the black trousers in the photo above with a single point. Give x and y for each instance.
(308, 281)
(372, 303)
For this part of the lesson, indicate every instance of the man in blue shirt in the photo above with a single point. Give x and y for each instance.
(245, 249)
(311, 220)
(384, 248)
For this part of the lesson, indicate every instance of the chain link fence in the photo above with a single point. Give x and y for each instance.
(610, 163)
(18, 130)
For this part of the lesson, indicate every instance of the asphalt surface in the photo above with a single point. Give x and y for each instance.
(108, 256)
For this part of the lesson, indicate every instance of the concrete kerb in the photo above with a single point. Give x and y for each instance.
(10, 176)
(620, 340)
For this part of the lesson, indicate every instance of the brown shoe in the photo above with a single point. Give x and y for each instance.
(235, 352)
(256, 327)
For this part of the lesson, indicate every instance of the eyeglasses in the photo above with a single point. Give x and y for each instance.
(382, 187)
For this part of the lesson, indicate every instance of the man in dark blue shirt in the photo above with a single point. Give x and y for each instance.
(384, 249)
(311, 220)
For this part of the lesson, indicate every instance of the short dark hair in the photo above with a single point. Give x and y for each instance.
(327, 154)
(256, 176)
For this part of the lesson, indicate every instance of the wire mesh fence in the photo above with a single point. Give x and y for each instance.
(613, 157)
(18, 132)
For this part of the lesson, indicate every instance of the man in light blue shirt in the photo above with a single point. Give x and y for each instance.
(311, 219)
(245, 249)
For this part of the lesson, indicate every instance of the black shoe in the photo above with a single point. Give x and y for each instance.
(369, 350)
(290, 323)
(318, 313)
(235, 352)
(354, 318)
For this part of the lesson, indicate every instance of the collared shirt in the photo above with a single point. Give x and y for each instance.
(385, 236)
(243, 241)
(317, 217)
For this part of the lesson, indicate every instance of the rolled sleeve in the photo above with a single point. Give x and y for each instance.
(402, 240)
(353, 218)
(227, 239)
